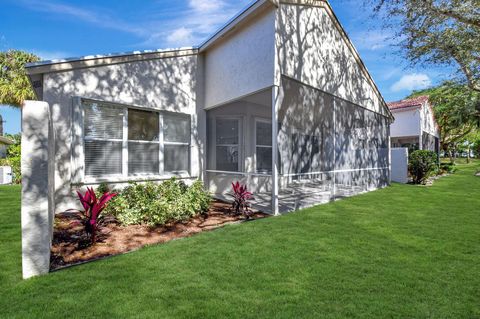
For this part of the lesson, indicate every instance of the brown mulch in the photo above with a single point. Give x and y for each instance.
(71, 246)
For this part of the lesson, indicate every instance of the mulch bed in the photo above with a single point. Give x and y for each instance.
(70, 244)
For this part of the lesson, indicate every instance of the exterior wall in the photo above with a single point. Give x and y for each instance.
(243, 63)
(428, 121)
(311, 49)
(162, 84)
(407, 123)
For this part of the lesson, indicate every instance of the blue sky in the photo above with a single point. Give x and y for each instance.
(59, 28)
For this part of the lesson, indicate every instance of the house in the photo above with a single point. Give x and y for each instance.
(415, 126)
(278, 99)
(4, 142)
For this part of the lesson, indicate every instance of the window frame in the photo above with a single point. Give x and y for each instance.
(240, 120)
(79, 175)
(256, 145)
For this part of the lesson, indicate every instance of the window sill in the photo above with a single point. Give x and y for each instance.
(138, 178)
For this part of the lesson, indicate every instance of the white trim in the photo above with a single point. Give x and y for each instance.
(336, 171)
(277, 96)
(125, 142)
(237, 173)
(232, 24)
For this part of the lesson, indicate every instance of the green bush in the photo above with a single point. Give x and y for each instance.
(153, 204)
(421, 165)
(13, 157)
(448, 168)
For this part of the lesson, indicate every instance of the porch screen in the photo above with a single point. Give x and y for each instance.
(227, 144)
(122, 141)
(263, 146)
(328, 147)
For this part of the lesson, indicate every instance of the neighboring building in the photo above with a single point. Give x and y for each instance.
(414, 126)
(278, 99)
(4, 142)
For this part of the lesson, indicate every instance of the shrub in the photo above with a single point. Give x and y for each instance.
(448, 168)
(153, 204)
(93, 208)
(421, 165)
(241, 199)
(13, 158)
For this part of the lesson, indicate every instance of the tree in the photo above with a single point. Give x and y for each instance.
(439, 32)
(13, 158)
(456, 111)
(14, 84)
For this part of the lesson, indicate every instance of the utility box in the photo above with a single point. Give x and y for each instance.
(5, 175)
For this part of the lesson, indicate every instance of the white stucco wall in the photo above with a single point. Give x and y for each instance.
(407, 123)
(161, 84)
(243, 62)
(428, 121)
(311, 49)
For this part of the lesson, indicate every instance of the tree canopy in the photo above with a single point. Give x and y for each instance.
(440, 32)
(457, 112)
(14, 85)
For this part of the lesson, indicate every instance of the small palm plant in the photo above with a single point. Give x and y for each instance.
(93, 207)
(241, 199)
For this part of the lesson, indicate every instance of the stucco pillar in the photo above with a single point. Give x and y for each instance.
(37, 211)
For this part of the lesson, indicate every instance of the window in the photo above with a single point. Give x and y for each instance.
(263, 142)
(227, 144)
(143, 142)
(122, 141)
(176, 130)
(103, 139)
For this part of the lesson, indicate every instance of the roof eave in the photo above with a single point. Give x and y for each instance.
(234, 22)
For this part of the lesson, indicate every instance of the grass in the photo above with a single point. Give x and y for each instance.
(404, 251)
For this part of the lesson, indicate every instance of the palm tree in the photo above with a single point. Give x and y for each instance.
(14, 84)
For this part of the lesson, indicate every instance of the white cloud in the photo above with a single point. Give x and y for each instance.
(180, 36)
(90, 16)
(186, 27)
(410, 82)
(371, 40)
(206, 5)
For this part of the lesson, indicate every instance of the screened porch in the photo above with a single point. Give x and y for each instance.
(323, 148)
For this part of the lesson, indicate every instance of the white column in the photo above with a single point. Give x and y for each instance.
(37, 187)
(276, 101)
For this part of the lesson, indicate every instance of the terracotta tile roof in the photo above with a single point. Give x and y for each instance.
(417, 101)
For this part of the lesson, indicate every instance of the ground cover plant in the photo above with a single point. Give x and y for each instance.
(399, 252)
(156, 204)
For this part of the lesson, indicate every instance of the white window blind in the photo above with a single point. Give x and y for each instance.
(103, 127)
(263, 148)
(122, 141)
(227, 144)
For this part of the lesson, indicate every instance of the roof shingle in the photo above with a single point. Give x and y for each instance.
(406, 103)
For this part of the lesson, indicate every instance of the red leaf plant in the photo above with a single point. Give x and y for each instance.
(93, 207)
(241, 199)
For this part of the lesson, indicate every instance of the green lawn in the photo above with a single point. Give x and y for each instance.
(404, 251)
